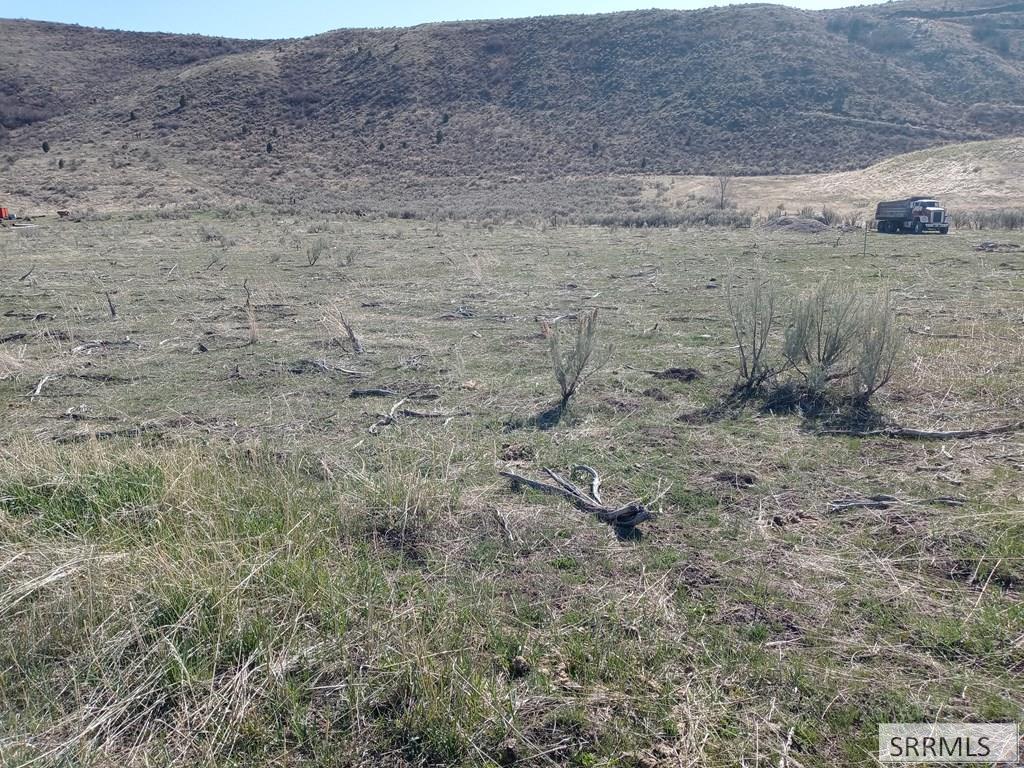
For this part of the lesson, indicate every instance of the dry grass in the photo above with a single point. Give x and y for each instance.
(976, 178)
(247, 576)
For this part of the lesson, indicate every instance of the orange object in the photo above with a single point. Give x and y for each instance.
(4, 214)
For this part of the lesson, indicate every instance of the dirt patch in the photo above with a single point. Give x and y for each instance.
(679, 374)
(735, 478)
(518, 452)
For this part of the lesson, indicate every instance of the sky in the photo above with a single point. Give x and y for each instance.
(268, 19)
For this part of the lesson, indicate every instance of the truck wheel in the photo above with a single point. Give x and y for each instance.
(918, 228)
(944, 231)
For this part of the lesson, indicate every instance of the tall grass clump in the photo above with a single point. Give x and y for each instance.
(255, 619)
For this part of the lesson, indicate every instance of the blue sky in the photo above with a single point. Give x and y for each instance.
(266, 19)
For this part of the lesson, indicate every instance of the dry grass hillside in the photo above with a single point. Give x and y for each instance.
(977, 175)
(757, 89)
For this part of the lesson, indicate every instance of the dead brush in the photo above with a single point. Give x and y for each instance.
(11, 364)
(338, 329)
(250, 315)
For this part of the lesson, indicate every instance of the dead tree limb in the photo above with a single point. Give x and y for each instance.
(386, 418)
(924, 434)
(627, 516)
(42, 383)
(878, 501)
(372, 392)
(385, 392)
(397, 411)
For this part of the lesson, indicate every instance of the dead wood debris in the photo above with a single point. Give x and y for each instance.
(924, 434)
(885, 501)
(990, 246)
(397, 411)
(385, 392)
(156, 426)
(459, 314)
(626, 516)
(878, 501)
(671, 374)
(89, 346)
(322, 366)
(736, 478)
(33, 317)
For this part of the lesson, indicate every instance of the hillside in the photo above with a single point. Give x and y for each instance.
(757, 89)
(975, 175)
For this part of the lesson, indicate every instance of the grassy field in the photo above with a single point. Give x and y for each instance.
(208, 558)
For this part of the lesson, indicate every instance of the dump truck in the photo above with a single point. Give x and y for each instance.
(916, 215)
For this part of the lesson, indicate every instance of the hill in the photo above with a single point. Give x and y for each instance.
(972, 176)
(756, 89)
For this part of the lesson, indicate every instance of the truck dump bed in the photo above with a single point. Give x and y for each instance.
(893, 209)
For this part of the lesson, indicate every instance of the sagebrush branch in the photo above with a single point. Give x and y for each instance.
(628, 515)
(924, 434)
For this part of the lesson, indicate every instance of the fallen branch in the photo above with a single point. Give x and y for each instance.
(924, 434)
(304, 366)
(109, 434)
(386, 419)
(156, 426)
(384, 392)
(42, 383)
(88, 346)
(878, 501)
(626, 516)
(372, 392)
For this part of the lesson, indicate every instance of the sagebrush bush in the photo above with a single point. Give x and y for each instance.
(831, 335)
(823, 329)
(1004, 218)
(878, 344)
(573, 366)
(754, 312)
